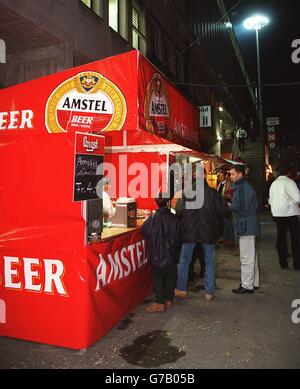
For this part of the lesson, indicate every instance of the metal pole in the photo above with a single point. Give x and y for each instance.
(260, 109)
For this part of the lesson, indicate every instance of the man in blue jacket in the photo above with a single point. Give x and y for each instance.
(246, 225)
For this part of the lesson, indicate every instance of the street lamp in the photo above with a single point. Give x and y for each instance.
(256, 23)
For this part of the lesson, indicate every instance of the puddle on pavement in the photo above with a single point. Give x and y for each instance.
(125, 322)
(151, 350)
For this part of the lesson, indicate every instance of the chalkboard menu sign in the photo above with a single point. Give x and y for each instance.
(88, 166)
(86, 177)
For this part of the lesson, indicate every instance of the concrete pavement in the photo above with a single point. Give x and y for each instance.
(233, 331)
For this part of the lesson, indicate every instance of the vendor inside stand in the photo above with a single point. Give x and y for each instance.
(109, 208)
(119, 217)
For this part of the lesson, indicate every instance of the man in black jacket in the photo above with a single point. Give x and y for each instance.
(163, 231)
(203, 225)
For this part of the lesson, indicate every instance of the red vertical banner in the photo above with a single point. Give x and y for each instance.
(163, 111)
(88, 166)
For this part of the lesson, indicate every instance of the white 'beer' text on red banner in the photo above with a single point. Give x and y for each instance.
(25, 274)
(13, 120)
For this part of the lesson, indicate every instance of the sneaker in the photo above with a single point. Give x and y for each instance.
(168, 304)
(241, 290)
(209, 297)
(256, 288)
(180, 293)
(155, 308)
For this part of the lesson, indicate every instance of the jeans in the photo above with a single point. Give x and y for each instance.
(185, 260)
(210, 268)
(197, 256)
(186, 255)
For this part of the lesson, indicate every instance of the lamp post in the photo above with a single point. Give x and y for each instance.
(257, 22)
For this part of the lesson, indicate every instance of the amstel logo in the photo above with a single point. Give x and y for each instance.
(87, 101)
(157, 108)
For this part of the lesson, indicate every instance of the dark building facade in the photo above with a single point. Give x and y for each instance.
(187, 40)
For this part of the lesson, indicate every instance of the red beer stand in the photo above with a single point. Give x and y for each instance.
(55, 286)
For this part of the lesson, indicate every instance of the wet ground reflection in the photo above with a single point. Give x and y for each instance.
(151, 350)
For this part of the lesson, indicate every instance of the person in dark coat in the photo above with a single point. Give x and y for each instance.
(163, 231)
(201, 225)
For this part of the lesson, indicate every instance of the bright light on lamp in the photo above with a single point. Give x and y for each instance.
(221, 109)
(256, 22)
(228, 25)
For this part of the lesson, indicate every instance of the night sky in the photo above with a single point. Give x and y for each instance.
(275, 50)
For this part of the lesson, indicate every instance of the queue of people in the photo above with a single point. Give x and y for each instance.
(174, 238)
(228, 212)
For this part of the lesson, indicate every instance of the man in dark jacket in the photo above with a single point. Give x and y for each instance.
(163, 231)
(203, 225)
(244, 209)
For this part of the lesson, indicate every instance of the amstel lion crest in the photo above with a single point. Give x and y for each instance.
(157, 108)
(88, 81)
(87, 101)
